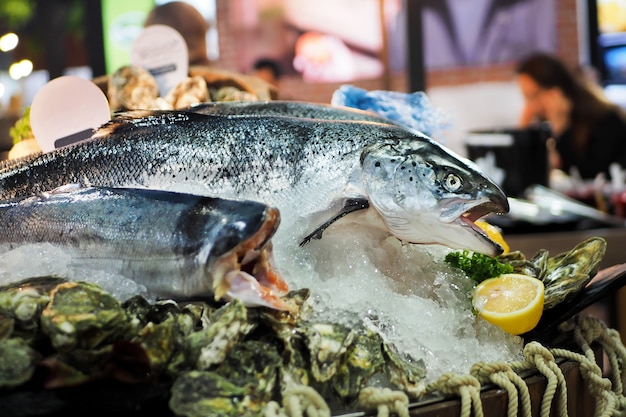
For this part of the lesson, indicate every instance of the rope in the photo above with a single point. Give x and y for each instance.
(465, 386)
(599, 387)
(543, 360)
(272, 409)
(502, 375)
(299, 401)
(609, 393)
(385, 401)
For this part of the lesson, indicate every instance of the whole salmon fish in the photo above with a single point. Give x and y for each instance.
(423, 192)
(175, 244)
(288, 109)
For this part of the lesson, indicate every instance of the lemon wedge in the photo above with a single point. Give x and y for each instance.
(493, 233)
(513, 302)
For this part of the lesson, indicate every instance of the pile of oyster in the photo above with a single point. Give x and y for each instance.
(215, 359)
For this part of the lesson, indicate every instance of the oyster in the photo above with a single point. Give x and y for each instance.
(6, 326)
(280, 328)
(205, 393)
(159, 330)
(584, 258)
(229, 360)
(227, 326)
(299, 310)
(569, 272)
(254, 366)
(363, 359)
(82, 315)
(326, 344)
(21, 304)
(540, 260)
(17, 362)
(533, 267)
(240, 385)
(159, 341)
(404, 372)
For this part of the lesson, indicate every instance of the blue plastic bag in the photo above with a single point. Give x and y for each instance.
(412, 110)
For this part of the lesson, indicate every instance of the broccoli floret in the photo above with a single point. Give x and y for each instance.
(478, 266)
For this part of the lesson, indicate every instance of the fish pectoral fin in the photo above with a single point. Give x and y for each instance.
(350, 205)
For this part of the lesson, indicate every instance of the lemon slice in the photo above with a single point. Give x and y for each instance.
(494, 234)
(513, 302)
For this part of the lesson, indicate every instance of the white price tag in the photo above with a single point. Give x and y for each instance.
(163, 52)
(67, 110)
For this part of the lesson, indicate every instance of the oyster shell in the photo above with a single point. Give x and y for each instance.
(82, 315)
(240, 385)
(363, 359)
(280, 328)
(227, 326)
(404, 372)
(326, 343)
(6, 326)
(17, 362)
(568, 272)
(21, 304)
(254, 366)
(205, 393)
(534, 267)
(235, 359)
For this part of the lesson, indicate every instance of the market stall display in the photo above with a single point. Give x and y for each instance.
(401, 204)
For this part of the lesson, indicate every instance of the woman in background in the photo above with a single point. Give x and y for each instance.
(589, 131)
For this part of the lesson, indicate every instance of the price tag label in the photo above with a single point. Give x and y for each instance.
(67, 110)
(163, 52)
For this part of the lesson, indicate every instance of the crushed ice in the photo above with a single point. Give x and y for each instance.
(45, 259)
(405, 292)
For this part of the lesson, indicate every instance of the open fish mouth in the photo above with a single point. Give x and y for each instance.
(248, 272)
(465, 214)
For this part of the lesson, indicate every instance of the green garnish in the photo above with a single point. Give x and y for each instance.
(21, 130)
(478, 266)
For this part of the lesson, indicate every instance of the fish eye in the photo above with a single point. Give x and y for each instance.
(452, 182)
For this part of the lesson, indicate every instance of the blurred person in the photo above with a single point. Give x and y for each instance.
(588, 131)
(188, 21)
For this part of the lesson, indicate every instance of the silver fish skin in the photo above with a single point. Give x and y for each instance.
(448, 194)
(288, 109)
(176, 244)
(282, 161)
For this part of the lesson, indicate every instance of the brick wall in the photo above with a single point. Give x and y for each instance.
(295, 88)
